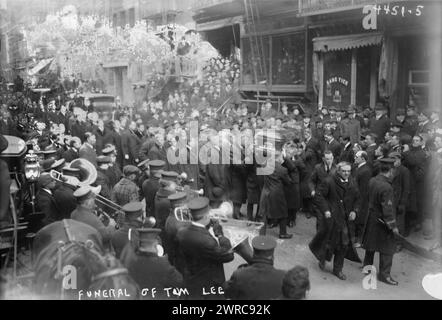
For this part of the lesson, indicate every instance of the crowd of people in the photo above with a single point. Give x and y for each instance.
(363, 175)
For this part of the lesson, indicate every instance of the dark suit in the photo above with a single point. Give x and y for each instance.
(88, 217)
(335, 147)
(257, 281)
(65, 200)
(150, 271)
(46, 204)
(5, 183)
(363, 175)
(120, 238)
(130, 145)
(88, 153)
(347, 154)
(380, 127)
(150, 188)
(204, 258)
(70, 155)
(401, 194)
(334, 237)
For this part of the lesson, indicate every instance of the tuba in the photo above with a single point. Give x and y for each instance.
(88, 172)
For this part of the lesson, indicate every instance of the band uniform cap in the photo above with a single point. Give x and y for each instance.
(86, 192)
(108, 151)
(103, 159)
(264, 243)
(169, 175)
(177, 199)
(156, 165)
(387, 160)
(48, 153)
(71, 171)
(394, 155)
(133, 209)
(143, 165)
(58, 164)
(199, 207)
(130, 169)
(147, 238)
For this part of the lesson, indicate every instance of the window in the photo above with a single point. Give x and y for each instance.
(288, 59)
(418, 77)
(252, 62)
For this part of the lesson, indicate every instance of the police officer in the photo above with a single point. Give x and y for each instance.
(380, 228)
(133, 213)
(151, 185)
(205, 252)
(148, 267)
(259, 280)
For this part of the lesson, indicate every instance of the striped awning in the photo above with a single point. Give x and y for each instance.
(346, 42)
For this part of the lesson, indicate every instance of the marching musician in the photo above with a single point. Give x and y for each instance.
(258, 280)
(85, 212)
(133, 219)
(171, 228)
(126, 190)
(204, 251)
(148, 267)
(162, 204)
(151, 185)
(64, 192)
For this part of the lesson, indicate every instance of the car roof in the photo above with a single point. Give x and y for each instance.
(90, 95)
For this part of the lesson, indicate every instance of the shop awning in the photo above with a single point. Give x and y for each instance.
(40, 66)
(218, 24)
(345, 42)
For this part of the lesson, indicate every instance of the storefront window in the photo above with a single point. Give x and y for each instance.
(363, 76)
(252, 63)
(288, 59)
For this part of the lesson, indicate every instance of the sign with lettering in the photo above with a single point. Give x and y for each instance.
(337, 75)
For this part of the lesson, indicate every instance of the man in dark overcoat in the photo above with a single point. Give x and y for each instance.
(238, 188)
(292, 191)
(401, 191)
(130, 145)
(45, 199)
(259, 280)
(337, 199)
(362, 176)
(132, 220)
(273, 204)
(204, 252)
(148, 269)
(151, 185)
(380, 229)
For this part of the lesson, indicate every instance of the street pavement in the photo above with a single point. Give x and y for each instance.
(408, 269)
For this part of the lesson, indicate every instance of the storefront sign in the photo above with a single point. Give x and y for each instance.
(337, 74)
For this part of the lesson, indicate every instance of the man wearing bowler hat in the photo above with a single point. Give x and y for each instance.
(258, 280)
(148, 267)
(133, 219)
(85, 212)
(381, 228)
(350, 126)
(64, 192)
(204, 251)
(113, 173)
(126, 190)
(151, 185)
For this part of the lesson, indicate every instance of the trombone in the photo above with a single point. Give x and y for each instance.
(76, 183)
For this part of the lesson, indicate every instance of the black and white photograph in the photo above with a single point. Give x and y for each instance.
(227, 150)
